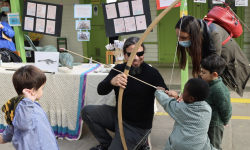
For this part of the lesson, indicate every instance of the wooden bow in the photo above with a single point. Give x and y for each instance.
(130, 60)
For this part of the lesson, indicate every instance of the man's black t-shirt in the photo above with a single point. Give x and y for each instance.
(138, 98)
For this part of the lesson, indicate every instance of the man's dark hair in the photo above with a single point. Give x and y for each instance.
(131, 41)
(28, 77)
(214, 63)
(198, 88)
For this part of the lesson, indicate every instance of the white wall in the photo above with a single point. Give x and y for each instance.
(151, 49)
(246, 47)
(68, 29)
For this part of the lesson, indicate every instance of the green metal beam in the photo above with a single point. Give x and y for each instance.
(184, 77)
(184, 73)
(19, 37)
(84, 43)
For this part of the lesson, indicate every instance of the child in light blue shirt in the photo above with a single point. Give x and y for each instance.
(28, 126)
(192, 117)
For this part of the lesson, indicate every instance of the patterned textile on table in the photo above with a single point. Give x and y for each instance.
(75, 134)
(63, 99)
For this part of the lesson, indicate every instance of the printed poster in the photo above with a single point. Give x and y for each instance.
(31, 9)
(51, 14)
(200, 1)
(130, 24)
(40, 25)
(111, 11)
(141, 22)
(41, 10)
(166, 2)
(241, 2)
(162, 4)
(119, 25)
(83, 11)
(48, 61)
(83, 36)
(50, 27)
(14, 19)
(218, 1)
(124, 9)
(137, 7)
(29, 23)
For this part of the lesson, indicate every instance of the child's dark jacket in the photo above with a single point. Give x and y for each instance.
(219, 100)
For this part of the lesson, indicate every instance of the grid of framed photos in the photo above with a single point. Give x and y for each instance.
(126, 17)
(42, 18)
(83, 11)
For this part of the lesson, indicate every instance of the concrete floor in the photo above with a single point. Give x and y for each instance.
(236, 135)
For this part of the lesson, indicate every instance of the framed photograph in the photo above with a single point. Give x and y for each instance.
(14, 19)
(200, 1)
(83, 36)
(241, 2)
(162, 4)
(218, 1)
(48, 61)
(83, 11)
(83, 25)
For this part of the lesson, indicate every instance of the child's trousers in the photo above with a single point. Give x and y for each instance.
(215, 135)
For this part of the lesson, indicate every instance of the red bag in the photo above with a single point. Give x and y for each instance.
(226, 19)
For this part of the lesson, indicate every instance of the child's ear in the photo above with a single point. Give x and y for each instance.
(215, 74)
(191, 99)
(33, 91)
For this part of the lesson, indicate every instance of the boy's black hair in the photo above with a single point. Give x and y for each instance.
(131, 41)
(28, 77)
(198, 88)
(214, 63)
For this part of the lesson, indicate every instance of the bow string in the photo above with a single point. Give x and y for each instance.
(130, 60)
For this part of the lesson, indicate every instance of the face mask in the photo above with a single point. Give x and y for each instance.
(185, 43)
(5, 9)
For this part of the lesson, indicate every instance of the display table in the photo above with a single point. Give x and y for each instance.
(65, 93)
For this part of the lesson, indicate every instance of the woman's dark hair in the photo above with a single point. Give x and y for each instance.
(28, 77)
(214, 63)
(8, 1)
(191, 26)
(198, 88)
(131, 41)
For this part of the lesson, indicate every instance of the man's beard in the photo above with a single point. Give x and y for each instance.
(135, 70)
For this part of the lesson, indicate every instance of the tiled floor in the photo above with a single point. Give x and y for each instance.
(236, 136)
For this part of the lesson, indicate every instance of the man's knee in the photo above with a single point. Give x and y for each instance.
(85, 113)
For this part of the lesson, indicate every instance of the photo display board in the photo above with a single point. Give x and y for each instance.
(44, 18)
(126, 17)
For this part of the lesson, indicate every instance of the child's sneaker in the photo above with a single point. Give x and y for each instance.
(99, 147)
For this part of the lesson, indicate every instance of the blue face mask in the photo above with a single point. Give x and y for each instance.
(5, 9)
(185, 43)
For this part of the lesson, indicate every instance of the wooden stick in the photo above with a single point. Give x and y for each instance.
(8, 67)
(45, 71)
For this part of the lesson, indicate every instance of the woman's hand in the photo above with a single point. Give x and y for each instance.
(1, 26)
(119, 80)
(29, 94)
